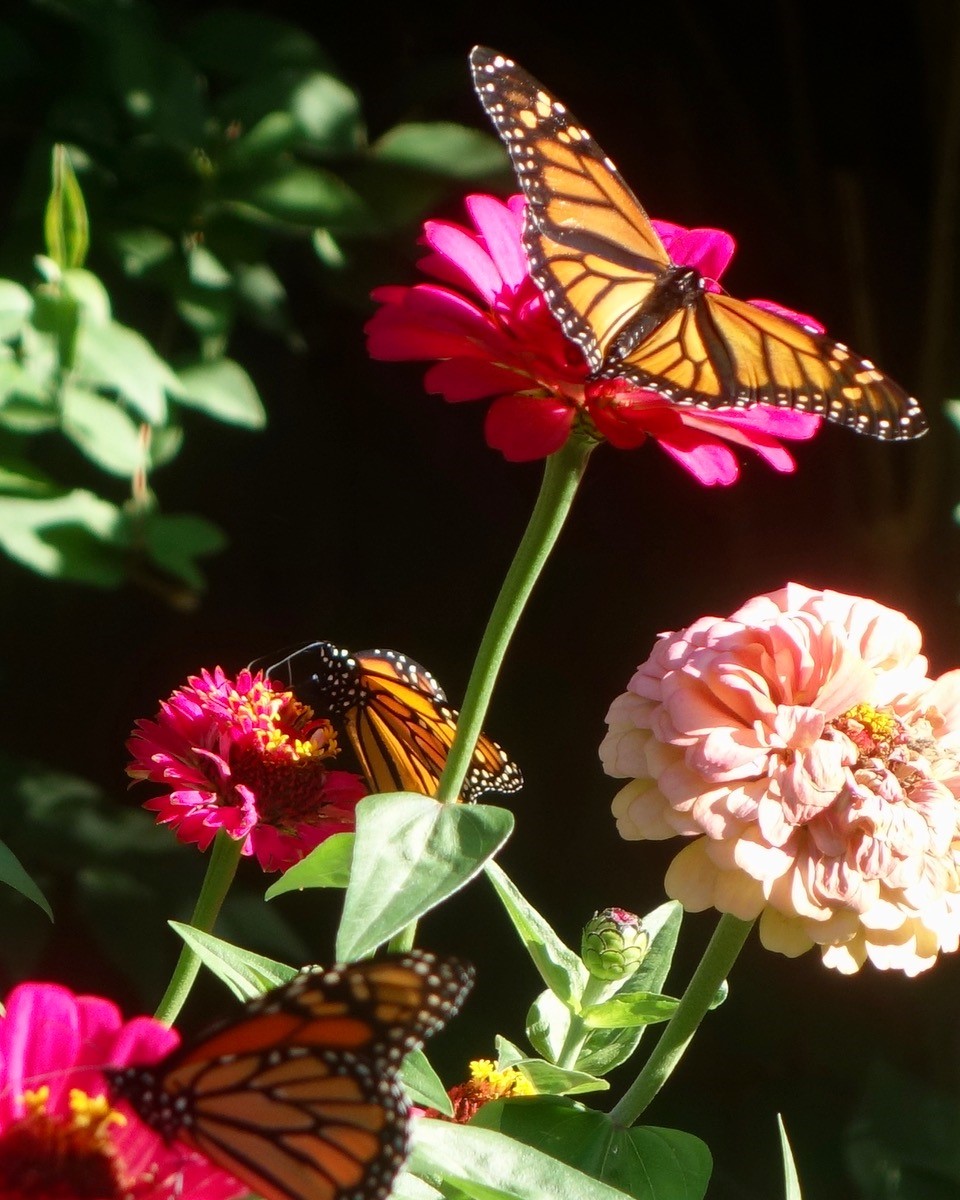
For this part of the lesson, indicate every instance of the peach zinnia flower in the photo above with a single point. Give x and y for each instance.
(803, 746)
(60, 1135)
(244, 756)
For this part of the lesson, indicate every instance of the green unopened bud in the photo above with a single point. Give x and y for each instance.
(614, 944)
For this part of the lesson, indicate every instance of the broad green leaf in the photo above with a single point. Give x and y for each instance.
(328, 249)
(13, 875)
(645, 1162)
(309, 196)
(205, 269)
(222, 390)
(328, 113)
(23, 478)
(139, 250)
(627, 1010)
(423, 1084)
(791, 1181)
(271, 135)
(548, 1022)
(562, 970)
(410, 854)
(326, 866)
(114, 357)
(487, 1166)
(74, 536)
(89, 293)
(16, 305)
(246, 974)
(409, 1187)
(443, 148)
(176, 540)
(102, 431)
(65, 224)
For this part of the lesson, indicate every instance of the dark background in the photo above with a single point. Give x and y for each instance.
(824, 137)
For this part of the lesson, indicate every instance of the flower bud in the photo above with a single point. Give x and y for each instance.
(614, 944)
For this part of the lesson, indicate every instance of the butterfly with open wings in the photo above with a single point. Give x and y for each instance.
(640, 317)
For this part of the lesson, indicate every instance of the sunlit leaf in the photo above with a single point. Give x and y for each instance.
(223, 390)
(66, 227)
(246, 974)
(102, 431)
(328, 865)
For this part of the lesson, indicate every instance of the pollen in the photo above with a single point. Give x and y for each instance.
(875, 733)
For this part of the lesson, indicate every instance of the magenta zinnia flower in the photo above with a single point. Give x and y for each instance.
(803, 748)
(244, 757)
(489, 326)
(60, 1136)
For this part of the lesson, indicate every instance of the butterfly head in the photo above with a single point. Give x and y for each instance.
(322, 675)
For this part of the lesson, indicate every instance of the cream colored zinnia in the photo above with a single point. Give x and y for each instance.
(802, 746)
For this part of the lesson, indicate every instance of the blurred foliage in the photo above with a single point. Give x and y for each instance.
(198, 152)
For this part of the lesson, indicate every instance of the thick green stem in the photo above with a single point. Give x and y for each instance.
(595, 992)
(220, 872)
(719, 957)
(562, 474)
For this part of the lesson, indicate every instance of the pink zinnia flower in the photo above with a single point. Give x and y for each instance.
(60, 1136)
(487, 323)
(802, 746)
(243, 756)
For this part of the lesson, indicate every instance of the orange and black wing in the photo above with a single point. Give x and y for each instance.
(297, 1097)
(609, 281)
(402, 730)
(592, 249)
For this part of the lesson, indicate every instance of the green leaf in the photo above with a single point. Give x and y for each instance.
(13, 875)
(102, 431)
(409, 1187)
(423, 1084)
(645, 1162)
(326, 866)
(23, 478)
(328, 113)
(139, 250)
(551, 1080)
(246, 974)
(16, 305)
(487, 1166)
(627, 1010)
(224, 391)
(88, 292)
(175, 540)
(791, 1181)
(548, 1022)
(74, 536)
(205, 269)
(116, 358)
(562, 970)
(442, 148)
(66, 228)
(309, 196)
(411, 853)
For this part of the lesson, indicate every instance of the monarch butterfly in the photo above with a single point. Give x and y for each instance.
(639, 316)
(396, 716)
(298, 1095)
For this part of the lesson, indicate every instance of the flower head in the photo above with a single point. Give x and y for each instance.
(60, 1136)
(614, 944)
(487, 1082)
(246, 757)
(803, 748)
(484, 319)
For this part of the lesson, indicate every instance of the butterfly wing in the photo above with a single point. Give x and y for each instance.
(403, 729)
(593, 251)
(611, 284)
(297, 1097)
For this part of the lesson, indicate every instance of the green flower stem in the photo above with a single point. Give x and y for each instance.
(561, 476)
(595, 992)
(718, 958)
(220, 872)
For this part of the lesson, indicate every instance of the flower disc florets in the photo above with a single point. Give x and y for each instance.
(803, 747)
(246, 757)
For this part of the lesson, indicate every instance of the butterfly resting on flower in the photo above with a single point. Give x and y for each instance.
(638, 316)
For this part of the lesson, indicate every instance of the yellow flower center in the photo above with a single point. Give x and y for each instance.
(48, 1156)
(504, 1081)
(875, 733)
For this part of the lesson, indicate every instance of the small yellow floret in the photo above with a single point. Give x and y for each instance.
(881, 726)
(506, 1081)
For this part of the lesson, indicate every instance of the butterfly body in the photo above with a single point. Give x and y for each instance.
(640, 317)
(396, 716)
(298, 1095)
